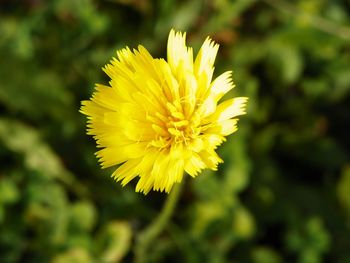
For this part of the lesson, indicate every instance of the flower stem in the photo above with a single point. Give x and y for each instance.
(147, 236)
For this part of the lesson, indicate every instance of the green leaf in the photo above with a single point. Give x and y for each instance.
(9, 192)
(83, 215)
(114, 241)
(343, 191)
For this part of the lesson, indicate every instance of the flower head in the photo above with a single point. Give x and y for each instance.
(158, 119)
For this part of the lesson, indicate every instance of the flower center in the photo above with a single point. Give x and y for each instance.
(176, 128)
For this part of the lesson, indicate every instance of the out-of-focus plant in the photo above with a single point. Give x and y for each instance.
(282, 193)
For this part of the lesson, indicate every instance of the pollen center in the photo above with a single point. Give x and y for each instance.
(175, 128)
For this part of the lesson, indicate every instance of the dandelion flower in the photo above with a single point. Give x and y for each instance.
(158, 119)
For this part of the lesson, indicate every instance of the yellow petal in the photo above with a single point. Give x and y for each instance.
(205, 59)
(111, 156)
(106, 96)
(126, 170)
(177, 51)
(221, 85)
(112, 139)
(139, 131)
(124, 87)
(160, 172)
(229, 109)
(194, 165)
(207, 108)
(224, 128)
(146, 181)
(211, 141)
(176, 172)
(115, 155)
(211, 159)
(143, 168)
(145, 184)
(92, 109)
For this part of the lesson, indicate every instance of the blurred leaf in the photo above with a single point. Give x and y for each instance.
(142, 5)
(343, 190)
(229, 10)
(38, 156)
(115, 241)
(237, 172)
(83, 215)
(74, 255)
(44, 95)
(243, 223)
(205, 214)
(265, 255)
(185, 16)
(310, 242)
(315, 88)
(286, 62)
(47, 212)
(9, 192)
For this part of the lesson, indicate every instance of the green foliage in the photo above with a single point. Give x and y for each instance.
(283, 193)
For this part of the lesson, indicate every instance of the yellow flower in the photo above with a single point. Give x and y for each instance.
(158, 119)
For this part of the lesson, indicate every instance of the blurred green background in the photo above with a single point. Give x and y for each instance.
(283, 193)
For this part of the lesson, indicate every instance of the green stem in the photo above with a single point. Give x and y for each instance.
(147, 236)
